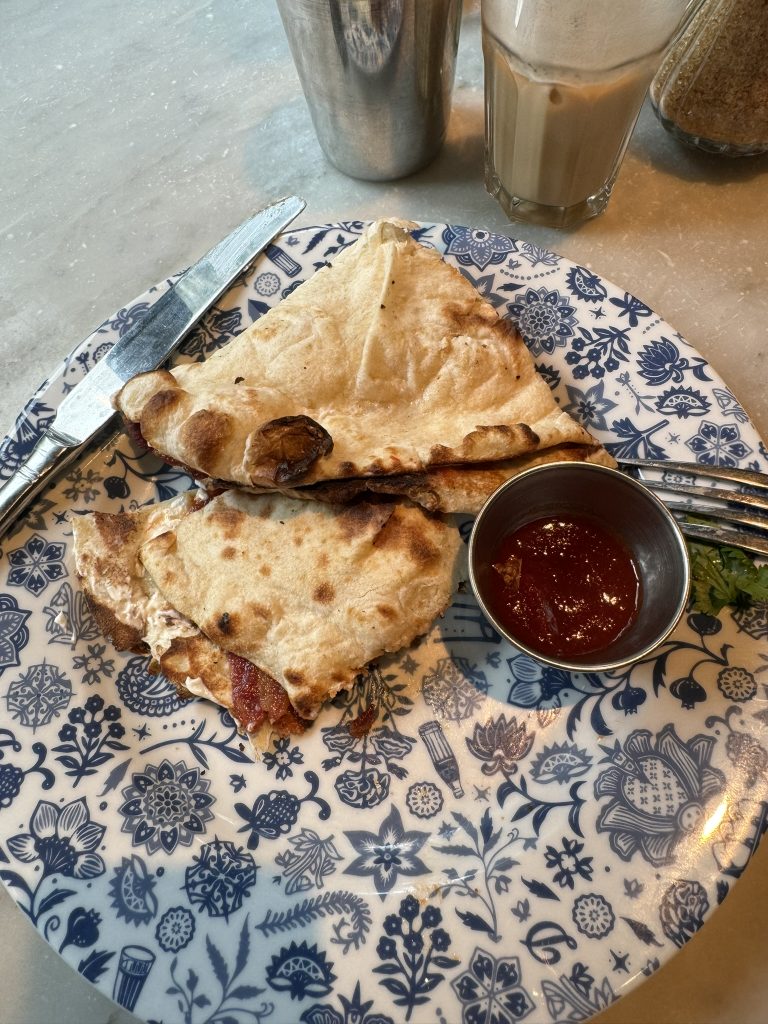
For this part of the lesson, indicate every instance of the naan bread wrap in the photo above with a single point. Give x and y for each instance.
(309, 594)
(134, 615)
(386, 362)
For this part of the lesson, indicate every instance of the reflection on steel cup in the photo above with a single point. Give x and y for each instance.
(134, 966)
(564, 84)
(377, 76)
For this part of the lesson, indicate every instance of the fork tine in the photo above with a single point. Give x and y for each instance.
(724, 505)
(748, 477)
(720, 535)
(722, 494)
(725, 515)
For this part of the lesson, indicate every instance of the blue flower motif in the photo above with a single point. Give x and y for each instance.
(301, 970)
(683, 402)
(355, 1012)
(661, 362)
(560, 763)
(718, 444)
(593, 916)
(283, 757)
(544, 318)
(536, 254)
(62, 839)
(421, 960)
(267, 283)
(39, 695)
(492, 990)
(658, 793)
(477, 248)
(166, 806)
(36, 564)
(94, 665)
(388, 854)
(14, 634)
(535, 685)
(454, 689)
(220, 878)
(82, 485)
(589, 406)
(568, 862)
(175, 929)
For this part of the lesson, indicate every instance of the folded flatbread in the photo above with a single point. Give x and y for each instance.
(448, 488)
(306, 593)
(386, 363)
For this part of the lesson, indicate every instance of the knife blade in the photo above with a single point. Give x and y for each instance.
(88, 407)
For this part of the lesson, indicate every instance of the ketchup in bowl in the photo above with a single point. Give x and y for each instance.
(579, 566)
(563, 585)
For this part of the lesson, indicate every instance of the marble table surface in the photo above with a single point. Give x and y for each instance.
(135, 135)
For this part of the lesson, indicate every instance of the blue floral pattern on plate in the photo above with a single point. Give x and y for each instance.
(506, 842)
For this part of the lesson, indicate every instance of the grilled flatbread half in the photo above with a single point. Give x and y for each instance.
(285, 599)
(387, 362)
(310, 593)
(134, 616)
(449, 488)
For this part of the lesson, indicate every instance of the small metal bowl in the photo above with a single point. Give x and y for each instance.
(618, 503)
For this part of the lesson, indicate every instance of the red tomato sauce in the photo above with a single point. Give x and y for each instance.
(564, 585)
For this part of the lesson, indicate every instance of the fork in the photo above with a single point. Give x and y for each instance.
(739, 513)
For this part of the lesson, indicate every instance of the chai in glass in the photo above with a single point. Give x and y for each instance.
(564, 84)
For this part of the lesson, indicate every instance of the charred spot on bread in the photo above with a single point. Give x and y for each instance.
(517, 437)
(155, 412)
(363, 517)
(283, 449)
(227, 520)
(400, 533)
(323, 593)
(204, 435)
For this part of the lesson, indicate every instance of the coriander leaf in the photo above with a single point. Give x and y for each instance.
(725, 575)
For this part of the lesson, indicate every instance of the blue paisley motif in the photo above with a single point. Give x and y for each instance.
(585, 285)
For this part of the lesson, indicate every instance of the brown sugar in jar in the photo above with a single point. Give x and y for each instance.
(711, 90)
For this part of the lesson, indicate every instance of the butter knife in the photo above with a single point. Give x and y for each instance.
(88, 407)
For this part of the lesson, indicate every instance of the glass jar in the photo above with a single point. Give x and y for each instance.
(711, 90)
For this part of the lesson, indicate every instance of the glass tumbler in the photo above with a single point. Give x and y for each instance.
(564, 83)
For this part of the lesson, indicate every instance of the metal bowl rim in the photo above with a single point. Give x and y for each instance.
(583, 666)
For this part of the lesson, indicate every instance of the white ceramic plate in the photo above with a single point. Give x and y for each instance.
(507, 842)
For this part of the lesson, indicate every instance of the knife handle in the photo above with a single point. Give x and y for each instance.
(50, 454)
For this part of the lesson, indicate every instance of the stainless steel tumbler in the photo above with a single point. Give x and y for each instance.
(377, 76)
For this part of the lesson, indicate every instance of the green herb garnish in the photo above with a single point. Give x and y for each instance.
(725, 575)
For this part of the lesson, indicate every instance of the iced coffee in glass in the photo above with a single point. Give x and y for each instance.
(564, 83)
